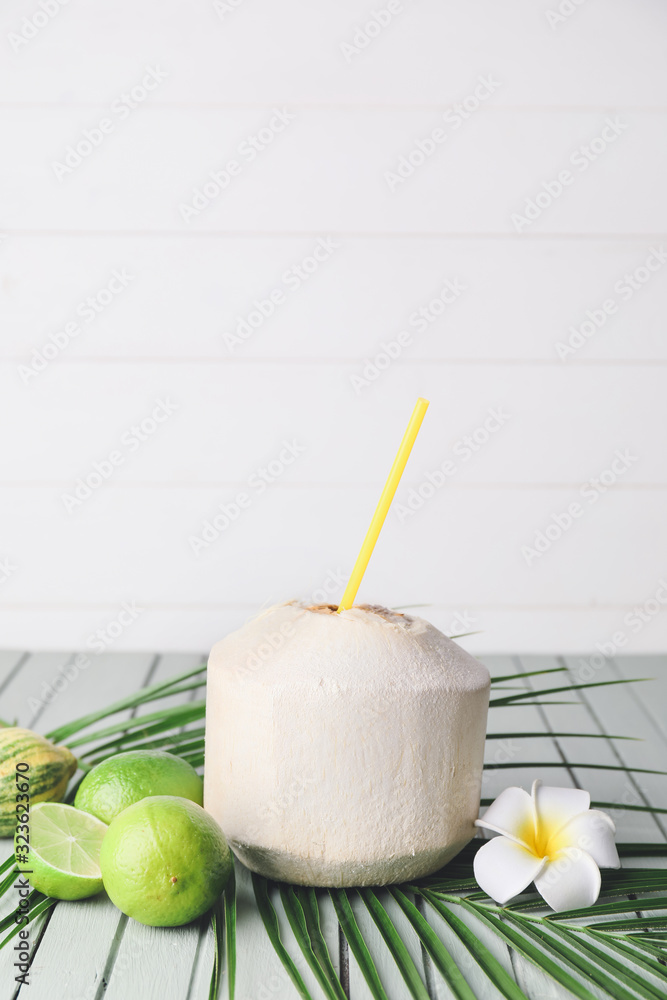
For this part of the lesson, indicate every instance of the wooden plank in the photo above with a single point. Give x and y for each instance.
(259, 970)
(422, 60)
(620, 709)
(61, 970)
(155, 958)
(335, 194)
(652, 696)
(26, 690)
(330, 931)
(386, 967)
(20, 686)
(500, 720)
(203, 957)
(532, 980)
(153, 961)
(295, 953)
(634, 707)
(607, 713)
(109, 676)
(476, 978)
(11, 665)
(72, 955)
(166, 516)
(269, 981)
(527, 718)
(170, 665)
(381, 275)
(11, 662)
(211, 394)
(203, 964)
(513, 718)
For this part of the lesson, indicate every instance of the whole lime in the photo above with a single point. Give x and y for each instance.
(120, 781)
(165, 861)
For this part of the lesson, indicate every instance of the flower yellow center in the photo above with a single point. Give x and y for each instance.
(543, 842)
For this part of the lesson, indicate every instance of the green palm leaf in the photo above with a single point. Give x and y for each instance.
(308, 900)
(640, 942)
(527, 673)
(597, 804)
(315, 951)
(628, 951)
(484, 958)
(642, 850)
(182, 744)
(162, 689)
(440, 957)
(601, 910)
(395, 945)
(358, 946)
(635, 926)
(218, 925)
(522, 944)
(594, 767)
(41, 907)
(636, 984)
(550, 736)
(575, 958)
(270, 920)
(511, 698)
(144, 740)
(230, 929)
(175, 716)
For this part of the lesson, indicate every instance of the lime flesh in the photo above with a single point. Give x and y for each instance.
(126, 778)
(64, 856)
(165, 861)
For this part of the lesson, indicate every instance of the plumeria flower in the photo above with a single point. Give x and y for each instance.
(551, 838)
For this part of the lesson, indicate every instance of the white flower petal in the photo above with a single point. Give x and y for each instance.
(593, 832)
(503, 868)
(512, 815)
(555, 806)
(570, 879)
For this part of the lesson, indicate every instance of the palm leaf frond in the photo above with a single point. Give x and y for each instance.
(536, 955)
(527, 673)
(358, 946)
(308, 900)
(487, 962)
(176, 715)
(315, 951)
(577, 957)
(552, 735)
(270, 920)
(395, 945)
(511, 698)
(439, 955)
(230, 933)
(41, 906)
(218, 925)
(594, 767)
(153, 692)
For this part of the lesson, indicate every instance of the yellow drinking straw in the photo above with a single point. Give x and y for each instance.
(383, 506)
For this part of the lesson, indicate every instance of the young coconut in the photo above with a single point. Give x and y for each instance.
(344, 749)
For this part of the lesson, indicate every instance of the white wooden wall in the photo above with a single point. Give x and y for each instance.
(559, 75)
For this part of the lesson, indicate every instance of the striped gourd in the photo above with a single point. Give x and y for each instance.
(50, 768)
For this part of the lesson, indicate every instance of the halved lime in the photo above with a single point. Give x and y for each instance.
(64, 856)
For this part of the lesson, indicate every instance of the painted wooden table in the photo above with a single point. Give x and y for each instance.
(88, 950)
